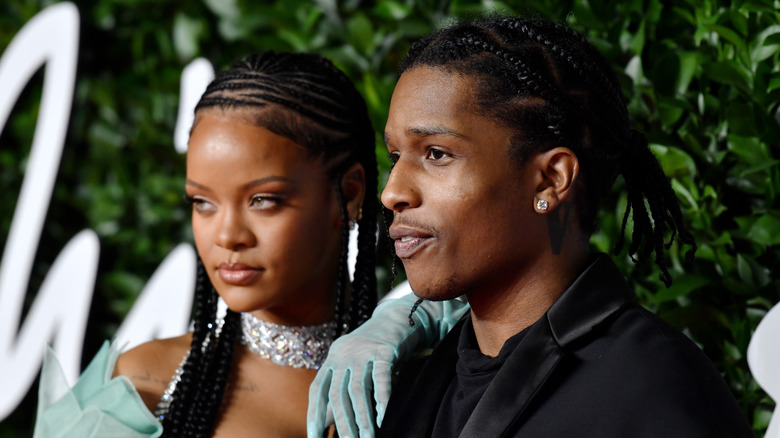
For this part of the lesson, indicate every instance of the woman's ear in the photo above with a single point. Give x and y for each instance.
(558, 170)
(353, 185)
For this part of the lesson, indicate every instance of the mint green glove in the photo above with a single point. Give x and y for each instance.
(361, 363)
(96, 406)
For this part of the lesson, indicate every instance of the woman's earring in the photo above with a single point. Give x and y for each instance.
(360, 213)
(542, 205)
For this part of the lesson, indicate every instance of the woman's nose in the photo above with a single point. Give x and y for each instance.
(234, 234)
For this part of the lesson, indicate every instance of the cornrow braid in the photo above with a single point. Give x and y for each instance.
(307, 100)
(211, 388)
(176, 419)
(342, 319)
(552, 87)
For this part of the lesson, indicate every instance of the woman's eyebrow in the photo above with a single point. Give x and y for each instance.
(250, 184)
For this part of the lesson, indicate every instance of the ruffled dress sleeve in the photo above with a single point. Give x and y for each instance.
(96, 406)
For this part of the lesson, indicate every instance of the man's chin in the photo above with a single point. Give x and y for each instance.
(437, 290)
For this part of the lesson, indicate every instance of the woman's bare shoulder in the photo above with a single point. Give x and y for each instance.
(150, 366)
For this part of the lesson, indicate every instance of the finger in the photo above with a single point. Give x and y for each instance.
(382, 388)
(341, 404)
(318, 402)
(360, 391)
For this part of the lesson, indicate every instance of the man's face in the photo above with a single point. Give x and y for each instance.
(463, 211)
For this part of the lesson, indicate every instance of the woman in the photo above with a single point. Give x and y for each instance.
(280, 164)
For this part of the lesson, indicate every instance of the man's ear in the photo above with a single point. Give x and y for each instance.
(353, 185)
(558, 170)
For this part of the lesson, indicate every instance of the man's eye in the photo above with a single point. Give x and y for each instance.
(435, 154)
(393, 157)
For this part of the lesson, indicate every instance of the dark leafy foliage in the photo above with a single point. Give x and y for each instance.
(700, 77)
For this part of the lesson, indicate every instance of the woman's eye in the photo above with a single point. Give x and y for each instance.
(264, 202)
(199, 204)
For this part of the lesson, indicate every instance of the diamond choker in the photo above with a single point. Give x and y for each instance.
(297, 347)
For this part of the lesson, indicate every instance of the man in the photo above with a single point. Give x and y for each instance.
(505, 133)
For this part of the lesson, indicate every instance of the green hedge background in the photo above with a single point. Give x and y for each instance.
(701, 77)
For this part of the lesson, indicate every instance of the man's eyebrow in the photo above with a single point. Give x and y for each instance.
(427, 131)
(250, 184)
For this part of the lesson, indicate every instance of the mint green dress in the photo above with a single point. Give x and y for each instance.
(97, 405)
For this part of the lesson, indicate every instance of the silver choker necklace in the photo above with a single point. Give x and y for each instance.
(297, 347)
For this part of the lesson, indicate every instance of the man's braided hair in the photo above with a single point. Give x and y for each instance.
(553, 88)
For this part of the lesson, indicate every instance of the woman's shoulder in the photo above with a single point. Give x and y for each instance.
(150, 366)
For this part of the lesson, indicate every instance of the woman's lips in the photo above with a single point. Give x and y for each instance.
(238, 274)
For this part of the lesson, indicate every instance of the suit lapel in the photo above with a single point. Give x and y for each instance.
(598, 293)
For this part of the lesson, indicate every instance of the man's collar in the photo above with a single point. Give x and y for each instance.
(595, 295)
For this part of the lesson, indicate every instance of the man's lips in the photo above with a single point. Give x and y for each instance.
(408, 240)
(238, 274)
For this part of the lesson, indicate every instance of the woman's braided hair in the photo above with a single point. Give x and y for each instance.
(553, 88)
(306, 99)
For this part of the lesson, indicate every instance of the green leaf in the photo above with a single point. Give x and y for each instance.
(767, 165)
(361, 33)
(741, 119)
(634, 70)
(669, 114)
(638, 41)
(689, 62)
(726, 73)
(681, 287)
(674, 161)
(684, 193)
(225, 9)
(730, 36)
(744, 271)
(765, 231)
(723, 240)
(749, 149)
(390, 9)
(774, 83)
(759, 51)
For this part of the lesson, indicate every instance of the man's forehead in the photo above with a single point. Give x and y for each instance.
(423, 131)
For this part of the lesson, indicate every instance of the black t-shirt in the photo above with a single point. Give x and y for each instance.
(473, 374)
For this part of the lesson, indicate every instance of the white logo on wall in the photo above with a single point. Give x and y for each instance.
(61, 306)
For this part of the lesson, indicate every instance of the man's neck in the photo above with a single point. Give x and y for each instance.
(498, 315)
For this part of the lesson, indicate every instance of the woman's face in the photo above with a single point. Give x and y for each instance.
(265, 218)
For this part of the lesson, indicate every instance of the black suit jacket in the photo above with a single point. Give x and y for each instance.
(595, 365)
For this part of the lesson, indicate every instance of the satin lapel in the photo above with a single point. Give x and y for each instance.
(598, 293)
(523, 375)
(427, 392)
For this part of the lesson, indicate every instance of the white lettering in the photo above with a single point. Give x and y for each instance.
(163, 308)
(61, 307)
(194, 79)
(50, 38)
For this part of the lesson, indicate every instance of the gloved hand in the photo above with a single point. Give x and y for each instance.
(361, 363)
